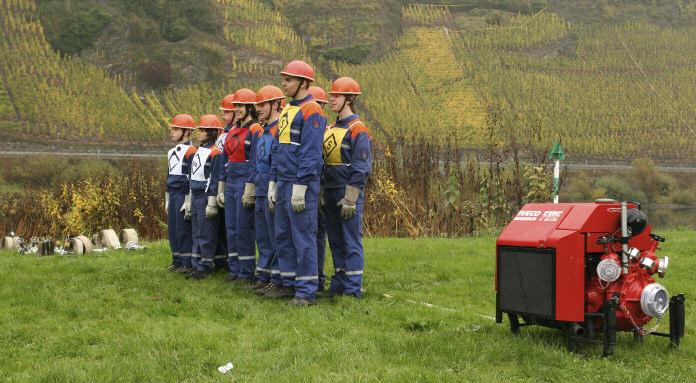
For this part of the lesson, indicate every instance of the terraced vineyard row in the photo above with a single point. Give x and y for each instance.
(616, 91)
(60, 97)
(421, 91)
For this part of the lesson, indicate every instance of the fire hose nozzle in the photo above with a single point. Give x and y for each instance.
(633, 254)
(647, 263)
(662, 266)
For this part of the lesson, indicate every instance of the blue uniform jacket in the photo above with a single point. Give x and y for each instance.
(207, 168)
(239, 152)
(264, 142)
(179, 167)
(297, 156)
(349, 161)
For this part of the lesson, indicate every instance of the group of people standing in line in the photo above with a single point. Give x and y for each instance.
(271, 175)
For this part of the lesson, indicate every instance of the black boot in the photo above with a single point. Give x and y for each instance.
(263, 289)
(280, 292)
(301, 302)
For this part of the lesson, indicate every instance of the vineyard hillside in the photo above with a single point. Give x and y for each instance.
(608, 79)
(50, 98)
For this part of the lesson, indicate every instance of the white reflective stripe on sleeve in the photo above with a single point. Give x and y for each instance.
(295, 143)
(344, 146)
(294, 131)
(195, 255)
(186, 255)
(287, 274)
(358, 272)
(251, 258)
(176, 254)
(274, 272)
(307, 278)
(262, 269)
(338, 270)
(232, 255)
(221, 256)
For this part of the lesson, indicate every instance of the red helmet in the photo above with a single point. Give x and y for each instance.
(245, 96)
(269, 93)
(183, 121)
(345, 85)
(318, 94)
(210, 121)
(299, 68)
(227, 103)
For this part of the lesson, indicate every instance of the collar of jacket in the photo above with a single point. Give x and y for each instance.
(301, 101)
(270, 125)
(345, 121)
(250, 123)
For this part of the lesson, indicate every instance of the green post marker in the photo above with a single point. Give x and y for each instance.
(557, 155)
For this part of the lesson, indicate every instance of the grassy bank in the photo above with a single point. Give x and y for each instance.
(119, 316)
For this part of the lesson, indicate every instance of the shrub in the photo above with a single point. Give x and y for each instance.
(684, 197)
(72, 27)
(352, 54)
(155, 73)
(175, 29)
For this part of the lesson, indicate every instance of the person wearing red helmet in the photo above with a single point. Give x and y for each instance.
(293, 189)
(321, 98)
(177, 195)
(206, 168)
(268, 106)
(319, 95)
(239, 188)
(227, 109)
(348, 156)
(228, 120)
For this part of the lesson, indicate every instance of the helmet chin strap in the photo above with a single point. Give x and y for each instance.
(298, 88)
(343, 106)
(270, 106)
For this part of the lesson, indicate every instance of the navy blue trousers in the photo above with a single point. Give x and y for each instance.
(179, 231)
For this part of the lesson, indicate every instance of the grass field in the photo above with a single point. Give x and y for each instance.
(120, 317)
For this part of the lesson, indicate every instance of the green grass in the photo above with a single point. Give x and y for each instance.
(120, 317)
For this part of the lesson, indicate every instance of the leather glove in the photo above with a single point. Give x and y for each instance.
(249, 196)
(166, 202)
(272, 195)
(186, 207)
(211, 210)
(349, 202)
(298, 198)
(221, 194)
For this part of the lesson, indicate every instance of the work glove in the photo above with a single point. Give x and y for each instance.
(166, 202)
(349, 202)
(211, 210)
(298, 198)
(272, 195)
(249, 196)
(186, 207)
(221, 194)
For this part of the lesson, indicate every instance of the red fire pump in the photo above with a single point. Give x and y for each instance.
(587, 269)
